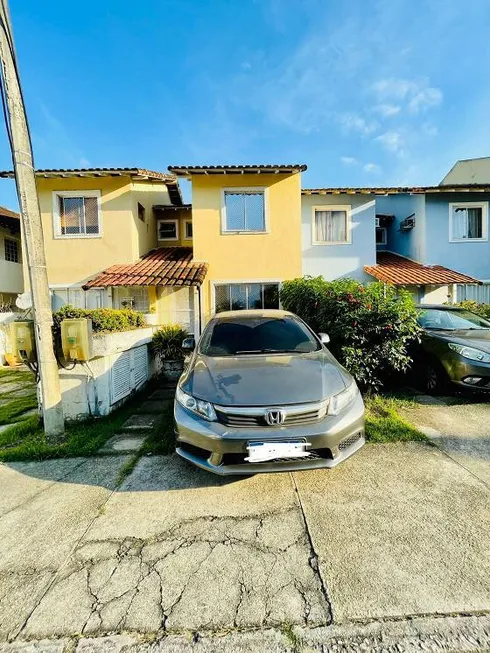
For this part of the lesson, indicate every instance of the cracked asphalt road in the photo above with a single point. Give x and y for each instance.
(398, 530)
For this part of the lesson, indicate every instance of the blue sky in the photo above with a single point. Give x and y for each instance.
(366, 92)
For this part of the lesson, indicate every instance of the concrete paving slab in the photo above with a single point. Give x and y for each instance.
(123, 443)
(140, 423)
(462, 430)
(399, 529)
(9, 387)
(177, 549)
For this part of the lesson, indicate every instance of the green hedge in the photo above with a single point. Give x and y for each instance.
(370, 326)
(480, 309)
(104, 320)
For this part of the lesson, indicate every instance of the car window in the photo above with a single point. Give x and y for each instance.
(257, 335)
(433, 318)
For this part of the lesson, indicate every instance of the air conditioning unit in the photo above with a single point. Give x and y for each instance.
(408, 223)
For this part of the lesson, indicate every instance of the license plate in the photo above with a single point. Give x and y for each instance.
(259, 452)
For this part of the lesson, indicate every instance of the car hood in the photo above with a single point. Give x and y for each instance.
(265, 380)
(480, 339)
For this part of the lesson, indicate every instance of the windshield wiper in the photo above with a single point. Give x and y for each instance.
(268, 351)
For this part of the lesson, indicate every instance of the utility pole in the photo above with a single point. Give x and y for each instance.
(20, 142)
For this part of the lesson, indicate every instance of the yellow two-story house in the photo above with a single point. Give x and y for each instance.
(122, 237)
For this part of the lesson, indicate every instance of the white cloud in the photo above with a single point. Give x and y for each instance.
(353, 122)
(371, 167)
(429, 97)
(387, 110)
(391, 141)
(349, 160)
(416, 93)
(245, 65)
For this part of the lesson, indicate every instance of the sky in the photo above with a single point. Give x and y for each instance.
(365, 92)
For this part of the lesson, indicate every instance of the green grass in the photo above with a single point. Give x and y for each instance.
(385, 424)
(26, 440)
(162, 440)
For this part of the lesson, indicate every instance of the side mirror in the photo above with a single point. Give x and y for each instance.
(324, 338)
(189, 344)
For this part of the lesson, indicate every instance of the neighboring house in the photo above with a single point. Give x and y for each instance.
(11, 277)
(96, 218)
(469, 171)
(246, 224)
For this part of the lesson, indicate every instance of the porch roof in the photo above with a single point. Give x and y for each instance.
(166, 266)
(401, 271)
(9, 220)
(258, 168)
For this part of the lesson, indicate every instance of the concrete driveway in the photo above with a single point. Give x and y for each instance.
(395, 534)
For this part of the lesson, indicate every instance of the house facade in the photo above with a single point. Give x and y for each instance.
(11, 275)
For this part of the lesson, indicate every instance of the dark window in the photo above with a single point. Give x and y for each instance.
(188, 230)
(12, 250)
(256, 335)
(241, 296)
(167, 230)
(141, 212)
(381, 236)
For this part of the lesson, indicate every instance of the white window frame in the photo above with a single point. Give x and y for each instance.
(168, 240)
(332, 207)
(186, 237)
(244, 190)
(385, 236)
(239, 282)
(469, 205)
(57, 218)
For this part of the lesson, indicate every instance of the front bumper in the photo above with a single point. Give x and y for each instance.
(220, 449)
(459, 369)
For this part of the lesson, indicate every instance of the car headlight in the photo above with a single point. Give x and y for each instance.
(198, 406)
(470, 352)
(343, 399)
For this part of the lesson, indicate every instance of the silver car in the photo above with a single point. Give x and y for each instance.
(262, 393)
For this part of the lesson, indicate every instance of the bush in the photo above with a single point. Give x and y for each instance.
(104, 320)
(483, 310)
(167, 342)
(370, 326)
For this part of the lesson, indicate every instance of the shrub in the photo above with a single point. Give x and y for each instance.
(370, 326)
(480, 309)
(167, 342)
(104, 320)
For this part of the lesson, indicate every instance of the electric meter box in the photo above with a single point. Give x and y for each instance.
(23, 341)
(76, 339)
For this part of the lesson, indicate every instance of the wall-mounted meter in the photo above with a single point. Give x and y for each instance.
(22, 341)
(76, 339)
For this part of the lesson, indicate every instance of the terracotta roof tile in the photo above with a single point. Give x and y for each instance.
(166, 266)
(400, 271)
(286, 168)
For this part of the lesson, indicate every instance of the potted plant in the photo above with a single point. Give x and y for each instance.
(167, 347)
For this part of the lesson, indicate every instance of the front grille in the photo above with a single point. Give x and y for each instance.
(255, 418)
(350, 441)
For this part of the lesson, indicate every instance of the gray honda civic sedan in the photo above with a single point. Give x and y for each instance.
(262, 393)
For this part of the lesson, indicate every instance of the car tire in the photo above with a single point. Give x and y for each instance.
(434, 377)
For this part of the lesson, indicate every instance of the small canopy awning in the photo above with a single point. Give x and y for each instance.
(401, 271)
(166, 266)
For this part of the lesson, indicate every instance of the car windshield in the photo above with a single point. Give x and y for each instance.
(256, 335)
(452, 320)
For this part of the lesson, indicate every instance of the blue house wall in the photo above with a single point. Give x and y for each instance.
(406, 243)
(471, 258)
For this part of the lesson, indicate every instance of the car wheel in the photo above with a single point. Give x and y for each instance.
(434, 377)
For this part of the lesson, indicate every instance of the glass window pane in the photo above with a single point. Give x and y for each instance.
(238, 297)
(11, 250)
(188, 229)
(91, 215)
(271, 295)
(255, 295)
(167, 230)
(222, 298)
(71, 215)
(475, 222)
(235, 211)
(331, 226)
(254, 212)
